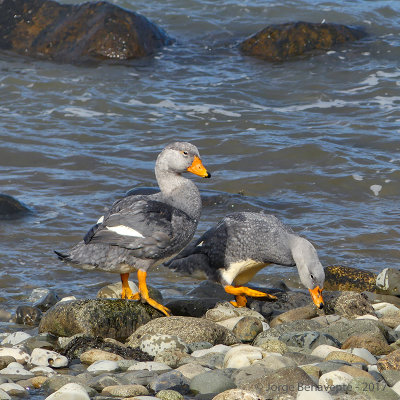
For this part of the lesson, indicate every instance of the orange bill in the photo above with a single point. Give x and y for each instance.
(316, 295)
(197, 168)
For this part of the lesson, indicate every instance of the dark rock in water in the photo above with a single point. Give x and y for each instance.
(209, 289)
(28, 315)
(284, 41)
(77, 32)
(81, 344)
(191, 307)
(44, 298)
(9, 207)
(189, 329)
(339, 277)
(112, 318)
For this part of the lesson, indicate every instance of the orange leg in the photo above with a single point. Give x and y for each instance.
(144, 293)
(126, 290)
(241, 292)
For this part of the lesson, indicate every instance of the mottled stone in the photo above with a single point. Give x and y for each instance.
(16, 371)
(390, 361)
(391, 376)
(125, 390)
(90, 356)
(211, 382)
(247, 328)
(342, 278)
(274, 346)
(77, 32)
(46, 358)
(308, 339)
(376, 344)
(28, 315)
(188, 329)
(169, 395)
(173, 380)
(15, 338)
(156, 343)
(97, 317)
(284, 41)
(172, 357)
(348, 304)
(344, 356)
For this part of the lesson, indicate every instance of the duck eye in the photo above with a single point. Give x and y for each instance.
(312, 276)
(185, 153)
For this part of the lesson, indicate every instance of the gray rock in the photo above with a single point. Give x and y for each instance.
(389, 281)
(101, 381)
(247, 329)
(283, 381)
(329, 366)
(188, 329)
(211, 360)
(115, 319)
(308, 339)
(56, 382)
(43, 298)
(199, 346)
(173, 380)
(11, 208)
(301, 358)
(372, 390)
(391, 376)
(28, 315)
(211, 382)
(144, 377)
(251, 373)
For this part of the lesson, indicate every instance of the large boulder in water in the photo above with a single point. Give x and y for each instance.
(76, 33)
(107, 318)
(11, 208)
(285, 41)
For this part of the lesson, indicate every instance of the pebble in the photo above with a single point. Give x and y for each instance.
(211, 382)
(70, 391)
(241, 356)
(125, 391)
(43, 357)
(15, 338)
(103, 366)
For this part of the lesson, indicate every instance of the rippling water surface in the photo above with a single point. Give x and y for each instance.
(314, 141)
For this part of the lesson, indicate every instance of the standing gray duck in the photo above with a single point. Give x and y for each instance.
(243, 243)
(142, 231)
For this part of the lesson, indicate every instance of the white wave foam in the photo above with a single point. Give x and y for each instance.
(83, 112)
(357, 177)
(376, 189)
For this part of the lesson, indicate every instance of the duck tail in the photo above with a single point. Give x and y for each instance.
(61, 256)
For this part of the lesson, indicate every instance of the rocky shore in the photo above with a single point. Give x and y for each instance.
(107, 348)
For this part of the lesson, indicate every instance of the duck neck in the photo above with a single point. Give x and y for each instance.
(179, 192)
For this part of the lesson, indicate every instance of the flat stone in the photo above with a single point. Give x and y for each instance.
(190, 370)
(150, 366)
(93, 355)
(20, 356)
(143, 378)
(70, 391)
(188, 329)
(125, 390)
(211, 382)
(371, 389)
(173, 380)
(43, 357)
(365, 354)
(251, 373)
(14, 389)
(16, 371)
(15, 338)
(391, 376)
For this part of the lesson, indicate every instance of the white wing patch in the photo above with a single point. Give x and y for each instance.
(200, 244)
(100, 220)
(124, 230)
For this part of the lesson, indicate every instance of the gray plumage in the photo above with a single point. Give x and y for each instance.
(145, 230)
(242, 243)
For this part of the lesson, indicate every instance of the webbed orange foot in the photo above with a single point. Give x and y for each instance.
(241, 292)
